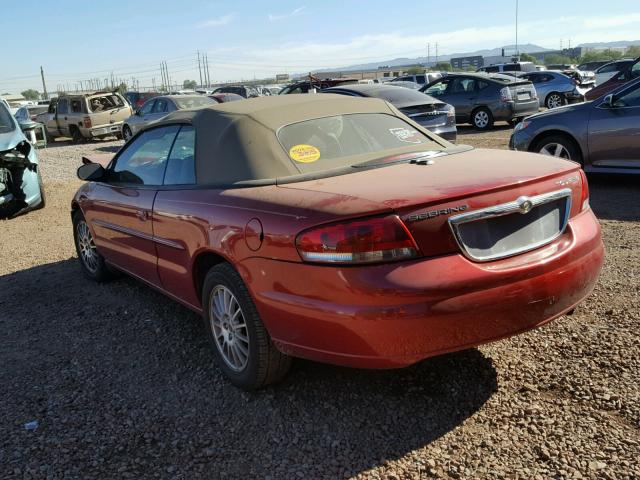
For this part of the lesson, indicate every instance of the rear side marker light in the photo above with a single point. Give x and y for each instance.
(371, 240)
(584, 197)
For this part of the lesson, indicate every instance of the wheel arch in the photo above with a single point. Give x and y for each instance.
(202, 263)
(560, 133)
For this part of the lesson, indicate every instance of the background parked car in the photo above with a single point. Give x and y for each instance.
(30, 112)
(225, 97)
(20, 182)
(592, 66)
(555, 89)
(603, 135)
(610, 70)
(406, 84)
(628, 74)
(481, 99)
(434, 115)
(137, 99)
(84, 116)
(307, 85)
(242, 90)
(420, 79)
(159, 107)
(509, 67)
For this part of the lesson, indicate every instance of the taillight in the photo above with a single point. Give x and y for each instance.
(371, 240)
(584, 197)
(87, 122)
(505, 95)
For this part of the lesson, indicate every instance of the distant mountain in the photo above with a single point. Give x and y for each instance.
(603, 45)
(404, 61)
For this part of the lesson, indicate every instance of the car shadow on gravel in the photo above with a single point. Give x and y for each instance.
(121, 379)
(615, 197)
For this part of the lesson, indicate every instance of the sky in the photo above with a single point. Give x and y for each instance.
(74, 40)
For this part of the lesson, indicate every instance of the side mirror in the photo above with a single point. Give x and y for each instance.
(138, 113)
(608, 101)
(91, 172)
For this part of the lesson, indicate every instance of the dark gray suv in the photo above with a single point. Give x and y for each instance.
(481, 99)
(602, 135)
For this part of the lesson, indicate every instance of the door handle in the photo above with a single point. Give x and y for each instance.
(143, 215)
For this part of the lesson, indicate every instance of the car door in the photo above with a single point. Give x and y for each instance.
(177, 237)
(140, 118)
(120, 208)
(462, 94)
(160, 110)
(541, 82)
(62, 117)
(614, 131)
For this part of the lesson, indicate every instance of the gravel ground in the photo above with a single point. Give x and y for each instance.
(121, 383)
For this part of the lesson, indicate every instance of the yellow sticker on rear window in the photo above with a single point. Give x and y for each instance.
(304, 153)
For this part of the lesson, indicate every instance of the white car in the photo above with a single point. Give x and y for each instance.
(421, 79)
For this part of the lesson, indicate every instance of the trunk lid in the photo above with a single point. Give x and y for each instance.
(428, 115)
(425, 196)
(522, 91)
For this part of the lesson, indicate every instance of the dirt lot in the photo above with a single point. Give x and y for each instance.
(121, 382)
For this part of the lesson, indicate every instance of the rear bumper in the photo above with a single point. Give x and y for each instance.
(511, 110)
(104, 130)
(395, 315)
(448, 133)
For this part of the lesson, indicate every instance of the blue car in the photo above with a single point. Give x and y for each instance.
(20, 182)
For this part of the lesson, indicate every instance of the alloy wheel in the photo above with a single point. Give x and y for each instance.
(126, 133)
(86, 247)
(481, 119)
(229, 328)
(555, 150)
(554, 101)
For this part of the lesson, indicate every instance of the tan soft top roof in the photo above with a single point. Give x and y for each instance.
(236, 142)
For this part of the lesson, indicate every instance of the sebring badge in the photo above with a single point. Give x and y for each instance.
(435, 213)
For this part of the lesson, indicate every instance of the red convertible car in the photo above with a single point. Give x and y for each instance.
(338, 230)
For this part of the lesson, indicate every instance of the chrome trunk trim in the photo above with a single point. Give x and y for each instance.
(521, 205)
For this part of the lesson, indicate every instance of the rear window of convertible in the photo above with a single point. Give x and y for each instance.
(346, 140)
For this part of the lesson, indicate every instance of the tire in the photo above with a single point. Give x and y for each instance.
(482, 119)
(558, 146)
(76, 134)
(94, 269)
(555, 100)
(240, 342)
(126, 133)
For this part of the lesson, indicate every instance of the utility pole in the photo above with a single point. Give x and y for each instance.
(428, 54)
(166, 70)
(517, 50)
(436, 52)
(206, 59)
(44, 86)
(199, 69)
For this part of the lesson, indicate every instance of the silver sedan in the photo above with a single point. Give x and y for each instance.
(158, 107)
(555, 89)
